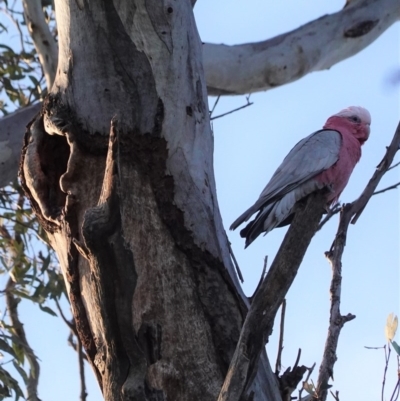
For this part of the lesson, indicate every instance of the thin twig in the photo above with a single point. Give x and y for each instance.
(380, 171)
(331, 212)
(261, 278)
(215, 105)
(394, 186)
(349, 214)
(296, 363)
(395, 396)
(78, 348)
(8, 12)
(19, 332)
(66, 321)
(278, 364)
(310, 370)
(232, 111)
(396, 391)
(238, 271)
(387, 358)
(81, 357)
(394, 166)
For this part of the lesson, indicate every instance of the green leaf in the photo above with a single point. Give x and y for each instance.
(19, 353)
(47, 310)
(34, 80)
(4, 346)
(9, 383)
(21, 372)
(3, 46)
(396, 347)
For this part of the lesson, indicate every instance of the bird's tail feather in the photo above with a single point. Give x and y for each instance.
(243, 217)
(256, 226)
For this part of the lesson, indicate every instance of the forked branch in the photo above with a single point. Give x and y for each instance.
(349, 214)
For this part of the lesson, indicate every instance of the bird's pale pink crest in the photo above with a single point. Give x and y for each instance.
(356, 118)
(358, 111)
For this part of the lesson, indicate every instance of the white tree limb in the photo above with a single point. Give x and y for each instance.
(316, 46)
(258, 66)
(12, 129)
(43, 40)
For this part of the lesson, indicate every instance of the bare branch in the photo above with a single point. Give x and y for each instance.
(70, 324)
(232, 111)
(316, 46)
(381, 169)
(43, 40)
(10, 15)
(349, 213)
(396, 391)
(261, 278)
(238, 271)
(78, 348)
(387, 358)
(81, 357)
(12, 130)
(291, 378)
(394, 166)
(253, 67)
(394, 186)
(335, 210)
(278, 364)
(310, 370)
(215, 105)
(19, 331)
(259, 320)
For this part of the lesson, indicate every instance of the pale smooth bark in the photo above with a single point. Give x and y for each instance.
(12, 130)
(119, 168)
(260, 66)
(43, 40)
(316, 46)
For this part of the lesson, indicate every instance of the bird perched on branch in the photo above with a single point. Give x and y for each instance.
(326, 158)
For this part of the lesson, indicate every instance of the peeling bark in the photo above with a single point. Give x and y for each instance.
(133, 215)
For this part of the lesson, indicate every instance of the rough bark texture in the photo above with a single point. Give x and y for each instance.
(249, 67)
(269, 296)
(133, 214)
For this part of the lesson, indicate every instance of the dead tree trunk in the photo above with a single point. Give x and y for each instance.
(133, 215)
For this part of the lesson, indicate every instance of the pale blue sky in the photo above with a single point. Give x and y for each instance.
(249, 145)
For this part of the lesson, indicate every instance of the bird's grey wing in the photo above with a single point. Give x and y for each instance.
(310, 156)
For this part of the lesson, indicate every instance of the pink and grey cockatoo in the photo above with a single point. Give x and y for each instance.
(326, 158)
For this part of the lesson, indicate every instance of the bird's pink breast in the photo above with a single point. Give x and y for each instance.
(338, 175)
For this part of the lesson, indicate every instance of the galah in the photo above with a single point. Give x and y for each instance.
(325, 158)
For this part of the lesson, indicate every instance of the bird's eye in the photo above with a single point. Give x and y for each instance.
(355, 119)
